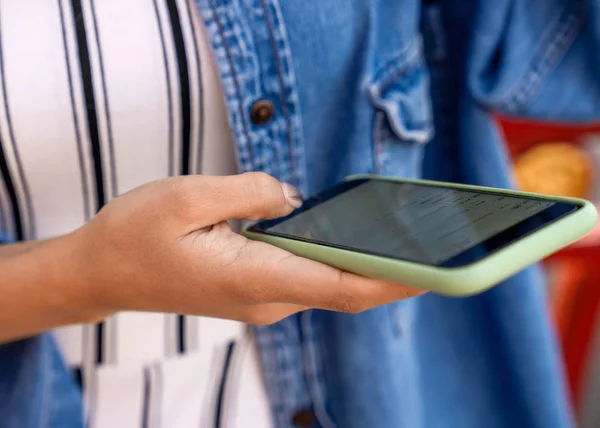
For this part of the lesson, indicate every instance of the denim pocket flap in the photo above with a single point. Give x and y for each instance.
(400, 90)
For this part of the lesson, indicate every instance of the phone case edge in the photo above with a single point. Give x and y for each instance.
(459, 281)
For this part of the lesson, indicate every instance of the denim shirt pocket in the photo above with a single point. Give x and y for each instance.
(398, 92)
(535, 59)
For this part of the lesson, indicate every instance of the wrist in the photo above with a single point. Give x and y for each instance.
(95, 275)
(41, 289)
(56, 264)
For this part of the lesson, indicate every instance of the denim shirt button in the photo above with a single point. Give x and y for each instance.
(262, 112)
(304, 418)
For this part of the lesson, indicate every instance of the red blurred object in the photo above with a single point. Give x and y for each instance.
(522, 135)
(575, 291)
(575, 300)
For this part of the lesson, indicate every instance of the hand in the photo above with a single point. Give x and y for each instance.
(167, 247)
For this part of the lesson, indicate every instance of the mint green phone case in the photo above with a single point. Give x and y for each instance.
(456, 281)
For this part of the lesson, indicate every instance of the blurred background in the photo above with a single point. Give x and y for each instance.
(565, 160)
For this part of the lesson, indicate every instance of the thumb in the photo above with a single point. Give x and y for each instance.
(248, 196)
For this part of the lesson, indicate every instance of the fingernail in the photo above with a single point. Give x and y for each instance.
(293, 196)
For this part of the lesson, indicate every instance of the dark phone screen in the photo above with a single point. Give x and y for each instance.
(423, 223)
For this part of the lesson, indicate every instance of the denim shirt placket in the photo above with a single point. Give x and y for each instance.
(254, 62)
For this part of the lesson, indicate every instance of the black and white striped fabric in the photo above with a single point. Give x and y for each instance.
(98, 97)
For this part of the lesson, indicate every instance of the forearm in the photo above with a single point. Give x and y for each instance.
(39, 289)
(11, 250)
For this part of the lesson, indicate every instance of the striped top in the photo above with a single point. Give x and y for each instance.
(100, 97)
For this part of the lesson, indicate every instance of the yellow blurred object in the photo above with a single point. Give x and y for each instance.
(556, 168)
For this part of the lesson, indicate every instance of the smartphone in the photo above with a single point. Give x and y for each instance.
(452, 239)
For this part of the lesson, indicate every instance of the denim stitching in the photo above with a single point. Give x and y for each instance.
(377, 145)
(287, 81)
(386, 76)
(310, 354)
(281, 355)
(396, 67)
(561, 35)
(234, 76)
(282, 97)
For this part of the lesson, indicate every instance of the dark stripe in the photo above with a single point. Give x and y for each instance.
(3, 220)
(184, 92)
(82, 167)
(78, 377)
(12, 194)
(17, 211)
(223, 383)
(146, 397)
(111, 148)
(169, 95)
(198, 160)
(100, 342)
(90, 101)
(180, 334)
(184, 85)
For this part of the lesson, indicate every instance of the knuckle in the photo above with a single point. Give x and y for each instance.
(180, 197)
(261, 183)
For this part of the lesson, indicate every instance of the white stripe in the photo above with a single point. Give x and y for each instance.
(119, 397)
(170, 335)
(69, 340)
(155, 405)
(88, 346)
(218, 156)
(110, 344)
(192, 333)
(140, 337)
(214, 332)
(174, 81)
(186, 386)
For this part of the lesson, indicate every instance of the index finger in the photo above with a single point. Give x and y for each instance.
(249, 196)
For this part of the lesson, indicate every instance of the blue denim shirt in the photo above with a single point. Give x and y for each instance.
(360, 86)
